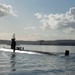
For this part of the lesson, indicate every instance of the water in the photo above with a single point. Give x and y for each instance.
(49, 48)
(31, 63)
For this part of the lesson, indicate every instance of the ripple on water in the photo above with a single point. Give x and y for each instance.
(29, 64)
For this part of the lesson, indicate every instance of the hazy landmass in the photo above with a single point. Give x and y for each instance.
(41, 42)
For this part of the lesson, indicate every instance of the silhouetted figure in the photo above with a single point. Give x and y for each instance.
(13, 43)
(67, 53)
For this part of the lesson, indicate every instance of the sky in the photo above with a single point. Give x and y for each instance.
(37, 19)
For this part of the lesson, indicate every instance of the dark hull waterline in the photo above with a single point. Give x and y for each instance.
(40, 52)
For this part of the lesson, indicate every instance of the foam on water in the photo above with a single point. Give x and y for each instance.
(29, 64)
(27, 51)
(17, 51)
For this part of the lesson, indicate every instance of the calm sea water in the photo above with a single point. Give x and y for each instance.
(31, 63)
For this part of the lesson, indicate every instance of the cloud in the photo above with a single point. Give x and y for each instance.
(68, 30)
(6, 10)
(38, 15)
(30, 28)
(64, 22)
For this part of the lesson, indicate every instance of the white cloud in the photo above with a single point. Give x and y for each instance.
(68, 30)
(6, 10)
(30, 28)
(64, 22)
(38, 15)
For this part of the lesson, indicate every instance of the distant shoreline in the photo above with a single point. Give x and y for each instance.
(42, 42)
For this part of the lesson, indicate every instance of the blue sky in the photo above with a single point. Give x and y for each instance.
(37, 19)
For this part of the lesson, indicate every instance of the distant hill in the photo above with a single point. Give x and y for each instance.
(41, 42)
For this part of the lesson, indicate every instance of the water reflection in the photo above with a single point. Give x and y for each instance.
(67, 65)
(13, 62)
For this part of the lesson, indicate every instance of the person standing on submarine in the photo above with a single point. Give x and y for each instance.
(13, 43)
